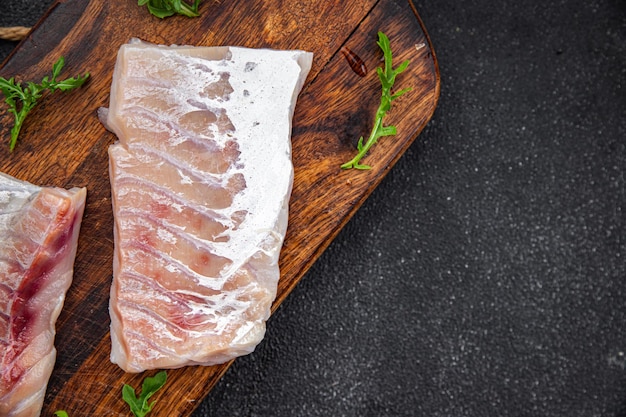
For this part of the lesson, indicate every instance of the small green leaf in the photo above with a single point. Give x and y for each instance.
(139, 406)
(359, 145)
(401, 67)
(71, 83)
(61, 413)
(57, 67)
(388, 131)
(399, 93)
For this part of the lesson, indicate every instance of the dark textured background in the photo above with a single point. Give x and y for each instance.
(486, 275)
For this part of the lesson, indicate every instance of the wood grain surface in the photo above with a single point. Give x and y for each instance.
(63, 144)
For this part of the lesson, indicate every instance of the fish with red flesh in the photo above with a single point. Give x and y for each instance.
(39, 229)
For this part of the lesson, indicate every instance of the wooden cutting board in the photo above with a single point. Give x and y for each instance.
(62, 143)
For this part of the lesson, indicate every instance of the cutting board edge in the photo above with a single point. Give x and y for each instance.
(367, 192)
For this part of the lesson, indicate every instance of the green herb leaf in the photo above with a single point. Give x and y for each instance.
(387, 78)
(21, 100)
(166, 8)
(61, 413)
(139, 406)
(57, 67)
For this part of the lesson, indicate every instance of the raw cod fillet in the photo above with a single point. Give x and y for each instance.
(201, 178)
(38, 240)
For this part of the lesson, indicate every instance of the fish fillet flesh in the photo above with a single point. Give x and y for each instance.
(201, 177)
(39, 229)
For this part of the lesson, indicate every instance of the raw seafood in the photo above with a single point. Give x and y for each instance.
(201, 178)
(38, 240)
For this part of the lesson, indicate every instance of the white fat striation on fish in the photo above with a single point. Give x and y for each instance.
(201, 178)
(39, 229)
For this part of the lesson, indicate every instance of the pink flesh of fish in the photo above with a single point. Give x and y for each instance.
(38, 240)
(201, 178)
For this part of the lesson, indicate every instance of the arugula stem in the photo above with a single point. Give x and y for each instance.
(19, 121)
(371, 140)
(25, 98)
(387, 79)
(15, 130)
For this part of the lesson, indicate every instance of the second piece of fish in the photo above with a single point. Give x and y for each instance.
(201, 178)
(39, 229)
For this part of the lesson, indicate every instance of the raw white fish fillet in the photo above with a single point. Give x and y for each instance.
(38, 240)
(201, 178)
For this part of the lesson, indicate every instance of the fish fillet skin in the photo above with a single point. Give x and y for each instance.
(39, 229)
(201, 177)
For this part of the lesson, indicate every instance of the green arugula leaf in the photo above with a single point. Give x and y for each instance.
(387, 78)
(22, 100)
(166, 8)
(140, 406)
(61, 413)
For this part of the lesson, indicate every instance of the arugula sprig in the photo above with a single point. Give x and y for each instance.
(387, 79)
(140, 406)
(166, 8)
(22, 100)
(61, 413)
